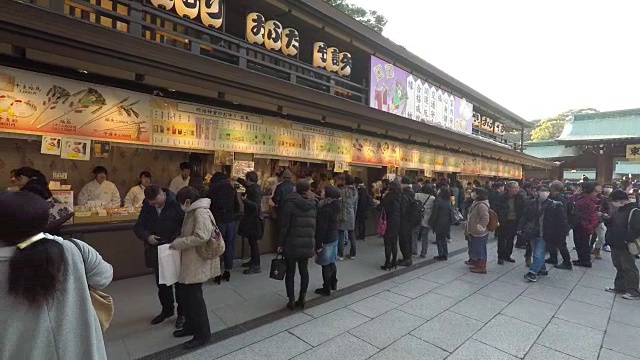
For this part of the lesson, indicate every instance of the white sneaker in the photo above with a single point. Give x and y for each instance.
(606, 248)
(631, 297)
(340, 258)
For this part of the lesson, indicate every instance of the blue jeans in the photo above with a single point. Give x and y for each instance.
(537, 248)
(346, 235)
(228, 231)
(420, 235)
(479, 247)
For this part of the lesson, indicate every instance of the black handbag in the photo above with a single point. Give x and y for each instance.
(278, 268)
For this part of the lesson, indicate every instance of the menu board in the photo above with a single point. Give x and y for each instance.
(416, 158)
(373, 151)
(41, 104)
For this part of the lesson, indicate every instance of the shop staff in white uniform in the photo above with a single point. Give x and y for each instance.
(135, 196)
(100, 189)
(181, 180)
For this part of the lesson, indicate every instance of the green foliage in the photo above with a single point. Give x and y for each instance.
(551, 128)
(371, 18)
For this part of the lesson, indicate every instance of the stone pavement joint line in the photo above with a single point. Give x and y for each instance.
(565, 316)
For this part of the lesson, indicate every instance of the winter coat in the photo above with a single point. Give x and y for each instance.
(251, 224)
(282, 191)
(327, 223)
(224, 201)
(297, 227)
(407, 197)
(500, 205)
(166, 225)
(392, 209)
(196, 231)
(428, 201)
(620, 230)
(365, 203)
(555, 225)
(586, 207)
(66, 328)
(348, 208)
(440, 219)
(478, 219)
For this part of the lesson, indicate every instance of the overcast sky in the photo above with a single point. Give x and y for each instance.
(536, 58)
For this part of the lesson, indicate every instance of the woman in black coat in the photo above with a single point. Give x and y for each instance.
(365, 204)
(440, 221)
(296, 240)
(392, 209)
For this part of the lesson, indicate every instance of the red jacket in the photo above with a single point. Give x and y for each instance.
(586, 207)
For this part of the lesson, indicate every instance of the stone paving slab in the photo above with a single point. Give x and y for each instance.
(425, 317)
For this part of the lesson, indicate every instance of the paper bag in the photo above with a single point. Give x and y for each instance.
(168, 265)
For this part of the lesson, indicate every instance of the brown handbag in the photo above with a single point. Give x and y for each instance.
(102, 302)
(215, 246)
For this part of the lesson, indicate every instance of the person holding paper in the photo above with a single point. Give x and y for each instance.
(195, 270)
(160, 222)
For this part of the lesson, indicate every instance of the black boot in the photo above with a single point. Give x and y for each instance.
(301, 301)
(334, 283)
(325, 290)
(291, 304)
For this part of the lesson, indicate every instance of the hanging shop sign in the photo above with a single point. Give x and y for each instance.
(331, 59)
(416, 158)
(396, 91)
(271, 34)
(210, 13)
(48, 105)
(633, 152)
(373, 151)
(487, 124)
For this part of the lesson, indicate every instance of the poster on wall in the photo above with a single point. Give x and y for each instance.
(76, 149)
(241, 168)
(396, 91)
(48, 105)
(101, 149)
(51, 145)
(373, 151)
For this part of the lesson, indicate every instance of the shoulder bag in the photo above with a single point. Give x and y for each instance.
(215, 247)
(102, 302)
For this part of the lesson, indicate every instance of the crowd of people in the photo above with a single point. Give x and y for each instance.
(315, 217)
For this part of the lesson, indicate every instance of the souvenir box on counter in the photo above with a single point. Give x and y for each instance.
(92, 214)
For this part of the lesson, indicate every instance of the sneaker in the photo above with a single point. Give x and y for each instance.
(340, 258)
(631, 297)
(531, 277)
(613, 290)
(510, 260)
(500, 262)
(551, 261)
(564, 266)
(581, 263)
(606, 248)
(543, 273)
(350, 257)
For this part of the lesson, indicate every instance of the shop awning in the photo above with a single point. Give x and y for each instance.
(627, 167)
(551, 151)
(602, 127)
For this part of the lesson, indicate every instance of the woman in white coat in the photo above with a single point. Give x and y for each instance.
(197, 229)
(135, 196)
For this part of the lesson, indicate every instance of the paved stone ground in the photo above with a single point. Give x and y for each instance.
(243, 299)
(443, 311)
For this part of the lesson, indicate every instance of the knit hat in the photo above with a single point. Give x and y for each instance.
(287, 174)
(618, 195)
(331, 192)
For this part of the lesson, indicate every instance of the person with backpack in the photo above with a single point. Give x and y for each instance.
(541, 222)
(478, 230)
(559, 242)
(623, 227)
(426, 197)
(410, 218)
(585, 220)
(440, 222)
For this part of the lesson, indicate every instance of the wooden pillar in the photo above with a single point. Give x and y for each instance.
(604, 167)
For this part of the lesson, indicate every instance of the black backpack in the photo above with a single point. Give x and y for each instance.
(573, 215)
(415, 212)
